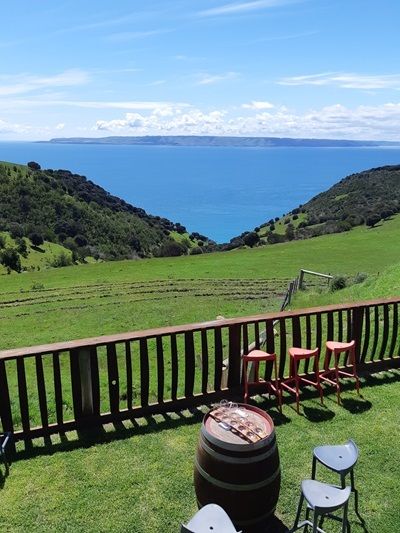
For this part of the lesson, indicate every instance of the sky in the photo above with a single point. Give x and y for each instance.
(276, 68)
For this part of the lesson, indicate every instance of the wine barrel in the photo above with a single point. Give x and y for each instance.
(242, 477)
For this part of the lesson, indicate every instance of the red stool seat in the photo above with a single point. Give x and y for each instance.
(255, 357)
(296, 355)
(332, 375)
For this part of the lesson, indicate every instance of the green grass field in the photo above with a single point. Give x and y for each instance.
(139, 479)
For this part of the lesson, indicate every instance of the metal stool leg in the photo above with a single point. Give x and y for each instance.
(315, 522)
(344, 524)
(314, 467)
(296, 522)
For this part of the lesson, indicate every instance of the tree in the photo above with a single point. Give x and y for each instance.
(10, 259)
(289, 233)
(172, 248)
(372, 220)
(33, 165)
(251, 239)
(36, 238)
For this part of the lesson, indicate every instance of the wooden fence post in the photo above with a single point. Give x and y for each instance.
(356, 326)
(234, 356)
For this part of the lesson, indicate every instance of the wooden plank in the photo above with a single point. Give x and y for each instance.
(270, 337)
(76, 384)
(330, 332)
(340, 326)
(395, 330)
(144, 373)
(160, 369)
(349, 325)
(95, 380)
(256, 335)
(282, 348)
(367, 332)
(41, 386)
(5, 404)
(174, 368)
(308, 342)
(113, 378)
(296, 332)
(58, 389)
(189, 364)
(245, 339)
(23, 396)
(385, 333)
(204, 362)
(357, 321)
(318, 334)
(218, 358)
(376, 332)
(151, 333)
(234, 356)
(129, 375)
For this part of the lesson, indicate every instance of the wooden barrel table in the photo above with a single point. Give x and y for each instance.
(237, 464)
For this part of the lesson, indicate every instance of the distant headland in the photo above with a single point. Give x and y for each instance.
(210, 140)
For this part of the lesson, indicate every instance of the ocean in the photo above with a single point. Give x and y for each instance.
(217, 191)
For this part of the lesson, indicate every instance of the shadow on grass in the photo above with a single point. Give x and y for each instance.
(38, 249)
(356, 405)
(85, 438)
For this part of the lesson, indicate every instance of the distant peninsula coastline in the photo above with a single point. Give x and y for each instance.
(209, 140)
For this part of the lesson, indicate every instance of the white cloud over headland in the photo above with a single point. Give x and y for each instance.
(335, 121)
(22, 83)
(235, 8)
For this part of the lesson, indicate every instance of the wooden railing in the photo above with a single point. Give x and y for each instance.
(77, 384)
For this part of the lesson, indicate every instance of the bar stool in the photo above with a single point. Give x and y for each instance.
(211, 517)
(322, 499)
(332, 375)
(256, 356)
(296, 355)
(340, 458)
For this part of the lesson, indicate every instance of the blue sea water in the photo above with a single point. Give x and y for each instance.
(217, 191)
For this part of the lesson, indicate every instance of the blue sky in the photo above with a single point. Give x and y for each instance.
(298, 68)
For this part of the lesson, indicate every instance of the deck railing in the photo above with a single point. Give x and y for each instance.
(77, 384)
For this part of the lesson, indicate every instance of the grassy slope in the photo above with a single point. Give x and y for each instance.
(142, 482)
(99, 303)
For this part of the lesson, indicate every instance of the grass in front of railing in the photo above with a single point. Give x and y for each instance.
(140, 479)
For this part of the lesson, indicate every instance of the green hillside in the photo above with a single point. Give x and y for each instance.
(110, 297)
(67, 209)
(366, 198)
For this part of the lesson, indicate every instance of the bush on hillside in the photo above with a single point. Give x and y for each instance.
(36, 238)
(251, 239)
(372, 220)
(172, 249)
(2, 242)
(10, 258)
(338, 283)
(196, 251)
(33, 165)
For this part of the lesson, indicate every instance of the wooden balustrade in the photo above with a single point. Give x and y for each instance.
(78, 384)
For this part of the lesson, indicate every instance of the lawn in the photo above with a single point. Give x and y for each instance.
(138, 477)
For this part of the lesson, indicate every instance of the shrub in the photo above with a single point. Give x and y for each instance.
(372, 220)
(2, 241)
(360, 277)
(338, 283)
(16, 230)
(196, 251)
(272, 227)
(21, 246)
(10, 259)
(172, 248)
(295, 217)
(36, 238)
(33, 165)
(274, 238)
(61, 260)
(80, 240)
(251, 239)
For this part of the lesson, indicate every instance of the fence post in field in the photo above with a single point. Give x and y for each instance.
(301, 278)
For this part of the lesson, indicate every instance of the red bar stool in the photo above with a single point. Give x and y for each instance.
(332, 375)
(296, 355)
(256, 356)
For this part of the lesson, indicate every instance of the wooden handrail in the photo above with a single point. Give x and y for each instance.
(174, 330)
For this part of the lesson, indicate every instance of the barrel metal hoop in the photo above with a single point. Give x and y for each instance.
(234, 486)
(237, 460)
(237, 447)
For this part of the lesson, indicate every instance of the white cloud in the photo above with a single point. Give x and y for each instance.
(258, 105)
(242, 7)
(126, 36)
(60, 126)
(7, 127)
(91, 104)
(345, 80)
(22, 83)
(210, 79)
(335, 122)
